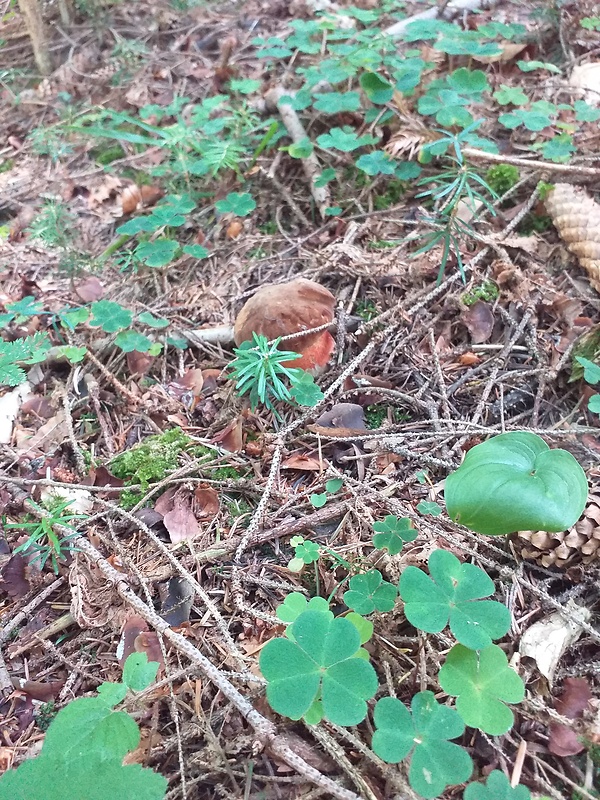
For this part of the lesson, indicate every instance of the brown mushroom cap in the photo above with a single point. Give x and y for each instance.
(285, 308)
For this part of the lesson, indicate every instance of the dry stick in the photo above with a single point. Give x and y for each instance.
(297, 132)
(336, 752)
(9, 627)
(184, 573)
(584, 172)
(34, 21)
(448, 10)
(265, 730)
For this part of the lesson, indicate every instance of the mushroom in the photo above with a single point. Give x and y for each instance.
(286, 308)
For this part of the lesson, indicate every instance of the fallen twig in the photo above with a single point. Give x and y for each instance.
(297, 132)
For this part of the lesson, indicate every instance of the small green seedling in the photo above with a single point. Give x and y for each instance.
(591, 372)
(435, 762)
(392, 533)
(369, 592)
(497, 787)
(305, 552)
(514, 482)
(453, 594)
(84, 748)
(429, 507)
(318, 672)
(29, 350)
(482, 683)
(43, 541)
(258, 371)
(296, 603)
(332, 486)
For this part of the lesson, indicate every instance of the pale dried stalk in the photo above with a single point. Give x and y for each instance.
(32, 13)
(297, 132)
(497, 158)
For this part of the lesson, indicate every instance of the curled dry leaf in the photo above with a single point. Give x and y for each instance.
(287, 308)
(359, 381)
(546, 641)
(12, 577)
(38, 690)
(206, 502)
(89, 290)
(138, 363)
(573, 702)
(304, 461)
(231, 438)
(38, 406)
(181, 522)
(469, 359)
(136, 637)
(187, 388)
(479, 321)
(576, 217)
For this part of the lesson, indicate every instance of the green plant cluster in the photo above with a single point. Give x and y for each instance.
(105, 315)
(333, 69)
(43, 542)
(320, 669)
(258, 369)
(591, 373)
(148, 462)
(84, 747)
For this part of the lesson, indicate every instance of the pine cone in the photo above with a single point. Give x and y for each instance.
(581, 543)
(576, 217)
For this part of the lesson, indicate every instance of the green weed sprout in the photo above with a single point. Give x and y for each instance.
(452, 594)
(29, 350)
(591, 373)
(424, 735)
(497, 787)
(43, 540)
(84, 748)
(319, 670)
(258, 370)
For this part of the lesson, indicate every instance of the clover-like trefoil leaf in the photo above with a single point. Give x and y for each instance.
(436, 762)
(497, 787)
(482, 683)
(453, 594)
(319, 662)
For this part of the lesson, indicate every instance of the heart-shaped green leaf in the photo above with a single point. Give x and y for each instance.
(514, 482)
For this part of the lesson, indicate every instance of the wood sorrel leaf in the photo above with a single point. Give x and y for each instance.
(514, 482)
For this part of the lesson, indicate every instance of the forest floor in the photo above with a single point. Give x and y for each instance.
(459, 310)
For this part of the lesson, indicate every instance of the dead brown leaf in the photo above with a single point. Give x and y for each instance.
(139, 363)
(479, 320)
(37, 689)
(574, 700)
(303, 461)
(13, 580)
(206, 502)
(231, 438)
(180, 522)
(90, 290)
